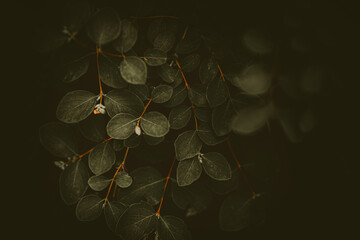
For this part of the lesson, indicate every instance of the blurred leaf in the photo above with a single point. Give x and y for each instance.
(179, 116)
(123, 180)
(155, 124)
(153, 140)
(159, 26)
(76, 106)
(203, 114)
(178, 97)
(93, 128)
(164, 41)
(102, 158)
(169, 74)
(217, 92)
(190, 62)
(188, 171)
(162, 93)
(73, 182)
(121, 126)
(75, 68)
(137, 222)
(216, 166)
(220, 118)
(197, 95)
(207, 71)
(155, 57)
(104, 27)
(207, 135)
(142, 91)
(258, 41)
(89, 208)
(187, 145)
(59, 139)
(113, 212)
(127, 37)
(109, 71)
(123, 101)
(98, 183)
(133, 70)
(172, 228)
(148, 183)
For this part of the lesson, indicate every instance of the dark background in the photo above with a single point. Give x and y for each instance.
(320, 195)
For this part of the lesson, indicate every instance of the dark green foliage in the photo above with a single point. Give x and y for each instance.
(89, 208)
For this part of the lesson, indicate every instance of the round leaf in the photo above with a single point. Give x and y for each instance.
(113, 211)
(98, 183)
(197, 95)
(155, 57)
(207, 135)
(102, 158)
(133, 70)
(178, 97)
(187, 145)
(207, 71)
(179, 116)
(75, 68)
(127, 38)
(109, 71)
(188, 171)
(76, 106)
(164, 41)
(121, 126)
(172, 228)
(217, 92)
(190, 62)
(104, 27)
(161, 93)
(123, 179)
(89, 208)
(123, 101)
(216, 166)
(169, 74)
(155, 124)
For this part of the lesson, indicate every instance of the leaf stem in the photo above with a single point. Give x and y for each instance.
(242, 172)
(120, 166)
(147, 105)
(84, 154)
(98, 70)
(188, 88)
(167, 180)
(114, 54)
(185, 32)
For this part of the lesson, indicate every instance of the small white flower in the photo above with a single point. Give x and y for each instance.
(99, 108)
(137, 130)
(60, 164)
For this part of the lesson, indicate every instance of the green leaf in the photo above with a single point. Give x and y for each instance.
(123, 180)
(220, 117)
(203, 114)
(178, 97)
(133, 141)
(197, 95)
(133, 70)
(89, 207)
(75, 68)
(152, 141)
(113, 212)
(162, 93)
(194, 198)
(76, 106)
(237, 212)
(109, 71)
(121, 126)
(254, 80)
(155, 124)
(190, 62)
(102, 158)
(208, 70)
(142, 91)
(169, 74)
(73, 182)
(98, 183)
(164, 41)
(137, 222)
(147, 183)
(59, 139)
(104, 27)
(127, 38)
(217, 92)
(188, 171)
(250, 119)
(93, 128)
(216, 166)
(172, 228)
(155, 57)
(123, 101)
(187, 145)
(258, 41)
(179, 116)
(207, 135)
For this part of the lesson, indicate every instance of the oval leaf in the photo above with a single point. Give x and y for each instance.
(109, 71)
(123, 101)
(220, 118)
(178, 96)
(102, 158)
(76, 106)
(123, 179)
(155, 124)
(98, 183)
(161, 93)
(172, 228)
(179, 116)
(133, 70)
(164, 41)
(169, 74)
(190, 62)
(113, 211)
(216, 166)
(155, 57)
(89, 208)
(207, 71)
(217, 92)
(121, 126)
(207, 135)
(127, 38)
(188, 171)
(187, 145)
